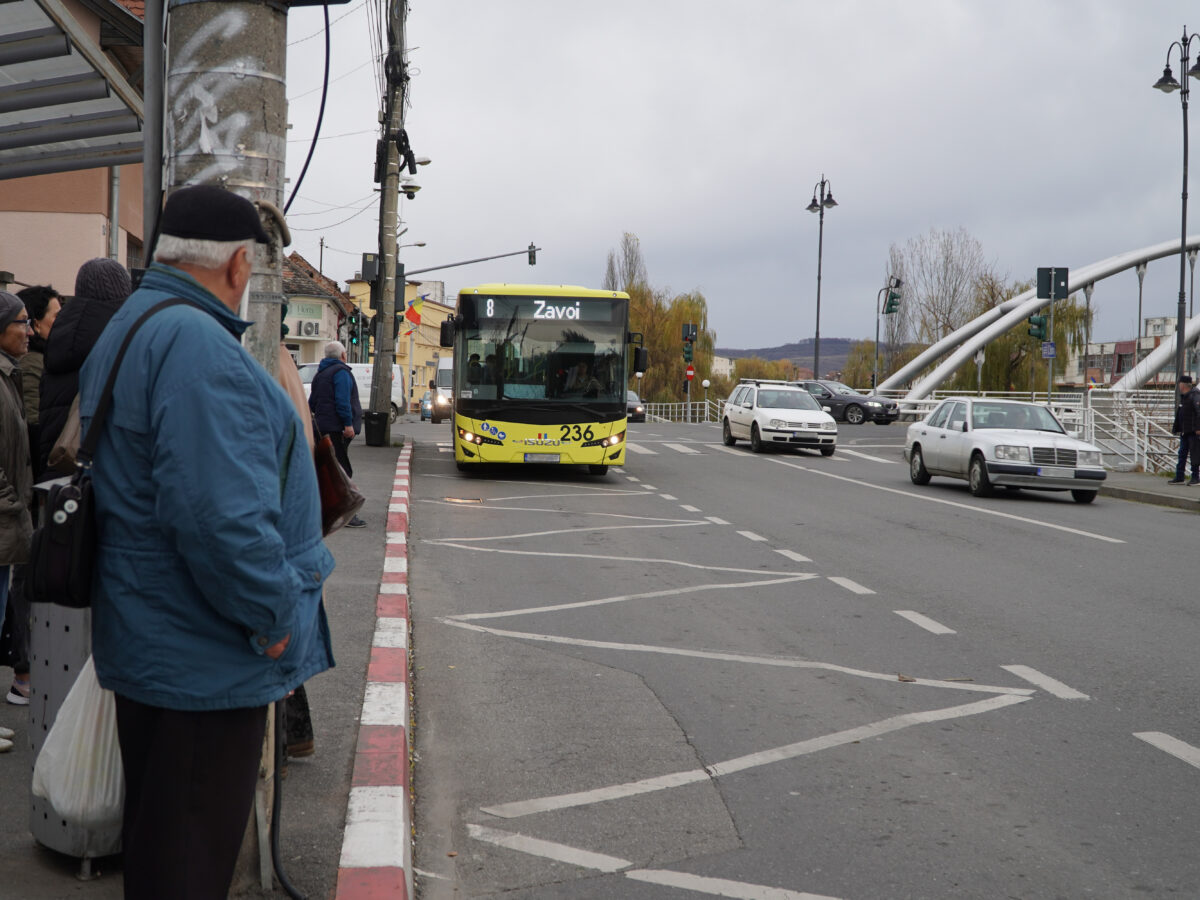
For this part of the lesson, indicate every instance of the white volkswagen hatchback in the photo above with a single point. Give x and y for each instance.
(777, 414)
(1002, 442)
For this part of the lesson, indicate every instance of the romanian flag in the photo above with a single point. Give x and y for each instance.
(413, 313)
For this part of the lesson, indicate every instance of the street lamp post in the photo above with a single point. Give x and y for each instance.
(1137, 344)
(706, 383)
(1167, 84)
(821, 201)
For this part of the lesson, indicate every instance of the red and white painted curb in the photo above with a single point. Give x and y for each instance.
(376, 858)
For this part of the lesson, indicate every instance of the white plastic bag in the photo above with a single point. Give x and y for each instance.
(79, 767)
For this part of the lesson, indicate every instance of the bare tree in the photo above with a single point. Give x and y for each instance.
(940, 273)
(625, 268)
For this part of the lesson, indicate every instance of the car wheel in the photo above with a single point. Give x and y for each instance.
(434, 419)
(1084, 496)
(756, 443)
(727, 434)
(854, 414)
(977, 477)
(916, 467)
(827, 451)
(395, 413)
(598, 469)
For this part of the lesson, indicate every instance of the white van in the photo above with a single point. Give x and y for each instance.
(363, 373)
(443, 387)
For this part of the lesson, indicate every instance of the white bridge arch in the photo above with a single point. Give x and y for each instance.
(962, 344)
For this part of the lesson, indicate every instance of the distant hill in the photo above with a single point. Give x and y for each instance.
(834, 352)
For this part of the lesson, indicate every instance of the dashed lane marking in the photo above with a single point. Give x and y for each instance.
(689, 508)
(716, 520)
(1174, 746)
(793, 555)
(1046, 683)
(638, 448)
(668, 496)
(850, 585)
(924, 622)
(751, 536)
(681, 448)
(878, 459)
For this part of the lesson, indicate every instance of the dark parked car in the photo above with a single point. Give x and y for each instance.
(634, 408)
(849, 405)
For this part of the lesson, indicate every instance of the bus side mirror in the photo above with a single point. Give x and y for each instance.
(641, 359)
(446, 338)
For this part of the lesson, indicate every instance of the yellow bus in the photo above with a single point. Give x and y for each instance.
(540, 374)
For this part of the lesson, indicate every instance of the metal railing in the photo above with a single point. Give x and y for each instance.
(696, 412)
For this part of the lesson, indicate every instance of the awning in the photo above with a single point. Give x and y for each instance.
(64, 103)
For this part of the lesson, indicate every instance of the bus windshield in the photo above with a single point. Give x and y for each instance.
(555, 351)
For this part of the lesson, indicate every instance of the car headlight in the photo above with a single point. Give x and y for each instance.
(1088, 457)
(1010, 451)
(873, 403)
(442, 400)
(829, 425)
(776, 423)
(639, 409)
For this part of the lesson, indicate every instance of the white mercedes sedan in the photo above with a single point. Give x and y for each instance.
(1006, 443)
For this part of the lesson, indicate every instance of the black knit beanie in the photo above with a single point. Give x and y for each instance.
(103, 279)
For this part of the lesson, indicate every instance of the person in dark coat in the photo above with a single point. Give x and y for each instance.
(333, 399)
(100, 288)
(1187, 426)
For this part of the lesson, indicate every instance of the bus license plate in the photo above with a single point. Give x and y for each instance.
(542, 457)
(1056, 472)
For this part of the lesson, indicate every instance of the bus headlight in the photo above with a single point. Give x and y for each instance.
(470, 437)
(611, 441)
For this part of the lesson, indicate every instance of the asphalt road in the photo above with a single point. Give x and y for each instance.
(715, 673)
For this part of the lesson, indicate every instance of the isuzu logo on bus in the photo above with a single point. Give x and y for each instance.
(546, 310)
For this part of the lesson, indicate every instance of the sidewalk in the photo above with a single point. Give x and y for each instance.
(364, 598)
(1142, 487)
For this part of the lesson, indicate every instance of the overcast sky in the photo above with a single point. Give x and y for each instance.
(702, 128)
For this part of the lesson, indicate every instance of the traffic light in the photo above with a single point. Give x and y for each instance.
(1037, 327)
(892, 304)
(352, 327)
(687, 351)
(532, 254)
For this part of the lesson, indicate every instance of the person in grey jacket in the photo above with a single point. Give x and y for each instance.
(16, 472)
(206, 600)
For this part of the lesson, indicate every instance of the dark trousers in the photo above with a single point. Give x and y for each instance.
(341, 444)
(189, 787)
(1189, 443)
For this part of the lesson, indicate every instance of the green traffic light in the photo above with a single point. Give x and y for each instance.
(1037, 327)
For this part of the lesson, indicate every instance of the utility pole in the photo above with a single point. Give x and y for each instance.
(396, 72)
(225, 112)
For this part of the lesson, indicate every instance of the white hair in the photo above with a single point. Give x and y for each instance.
(196, 252)
(334, 350)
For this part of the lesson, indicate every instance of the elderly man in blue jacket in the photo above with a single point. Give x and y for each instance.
(333, 399)
(207, 599)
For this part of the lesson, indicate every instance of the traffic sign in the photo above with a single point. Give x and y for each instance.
(1052, 283)
(1048, 350)
(691, 372)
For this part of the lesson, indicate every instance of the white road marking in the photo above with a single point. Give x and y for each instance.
(850, 585)
(1046, 683)
(548, 849)
(720, 887)
(734, 450)
(602, 862)
(716, 520)
(749, 761)
(442, 449)
(649, 487)
(508, 537)
(793, 555)
(751, 536)
(776, 661)
(924, 622)
(878, 459)
(668, 496)
(632, 478)
(681, 448)
(1174, 746)
(638, 448)
(451, 542)
(967, 506)
(689, 508)
(666, 592)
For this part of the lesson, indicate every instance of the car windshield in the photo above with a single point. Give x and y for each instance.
(1011, 415)
(838, 388)
(632, 397)
(786, 399)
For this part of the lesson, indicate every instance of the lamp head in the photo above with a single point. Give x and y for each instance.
(1194, 71)
(814, 206)
(830, 203)
(1167, 84)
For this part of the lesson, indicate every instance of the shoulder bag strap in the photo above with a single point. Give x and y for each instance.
(87, 446)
